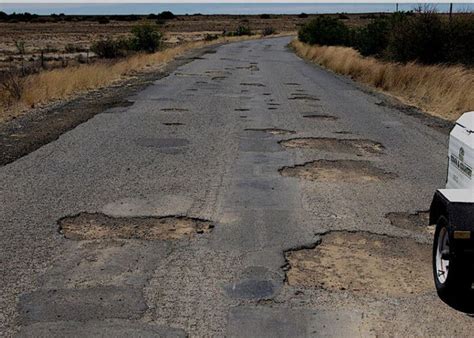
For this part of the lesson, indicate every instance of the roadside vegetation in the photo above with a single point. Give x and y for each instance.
(24, 88)
(421, 57)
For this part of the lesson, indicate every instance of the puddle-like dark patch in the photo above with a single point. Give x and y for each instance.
(267, 94)
(211, 51)
(419, 221)
(252, 84)
(201, 82)
(337, 171)
(272, 108)
(304, 98)
(241, 109)
(192, 89)
(173, 124)
(218, 77)
(174, 109)
(363, 263)
(90, 226)
(243, 116)
(251, 289)
(273, 104)
(342, 132)
(81, 304)
(320, 117)
(351, 146)
(273, 131)
(292, 84)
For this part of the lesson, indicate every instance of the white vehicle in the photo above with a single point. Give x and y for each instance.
(452, 211)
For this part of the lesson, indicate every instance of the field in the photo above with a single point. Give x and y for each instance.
(65, 42)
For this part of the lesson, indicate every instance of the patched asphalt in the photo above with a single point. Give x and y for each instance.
(222, 167)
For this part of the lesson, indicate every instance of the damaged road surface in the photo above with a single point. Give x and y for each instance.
(199, 211)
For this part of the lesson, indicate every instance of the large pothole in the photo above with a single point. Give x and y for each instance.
(351, 146)
(320, 117)
(89, 226)
(363, 263)
(418, 222)
(337, 171)
(273, 131)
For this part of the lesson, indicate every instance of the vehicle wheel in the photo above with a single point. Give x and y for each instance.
(451, 274)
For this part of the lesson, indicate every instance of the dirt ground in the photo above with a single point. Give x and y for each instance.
(363, 263)
(86, 226)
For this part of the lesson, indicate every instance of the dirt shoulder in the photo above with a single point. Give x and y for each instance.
(24, 134)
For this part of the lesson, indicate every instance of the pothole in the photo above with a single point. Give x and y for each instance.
(90, 226)
(362, 263)
(173, 124)
(252, 84)
(337, 171)
(320, 117)
(243, 116)
(350, 146)
(304, 97)
(272, 108)
(174, 109)
(273, 131)
(241, 109)
(292, 84)
(418, 221)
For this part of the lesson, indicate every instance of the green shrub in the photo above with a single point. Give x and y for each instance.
(210, 37)
(146, 37)
(107, 49)
(324, 30)
(240, 31)
(460, 39)
(166, 15)
(268, 31)
(372, 39)
(103, 20)
(417, 38)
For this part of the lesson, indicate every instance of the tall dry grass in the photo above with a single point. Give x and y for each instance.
(49, 86)
(442, 90)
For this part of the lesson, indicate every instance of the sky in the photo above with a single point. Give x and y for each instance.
(205, 7)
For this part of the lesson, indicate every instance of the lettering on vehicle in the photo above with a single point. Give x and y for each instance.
(458, 162)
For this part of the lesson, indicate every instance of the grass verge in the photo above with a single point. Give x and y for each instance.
(59, 84)
(441, 90)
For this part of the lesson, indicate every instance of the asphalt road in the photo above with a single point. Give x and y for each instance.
(195, 144)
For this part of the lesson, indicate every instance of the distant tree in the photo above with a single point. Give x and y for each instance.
(166, 15)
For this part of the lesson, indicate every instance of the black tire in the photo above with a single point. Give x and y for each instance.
(458, 280)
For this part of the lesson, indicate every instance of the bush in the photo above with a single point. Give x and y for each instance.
(324, 30)
(268, 31)
(240, 31)
(210, 37)
(265, 16)
(460, 39)
(146, 38)
(166, 15)
(302, 16)
(372, 39)
(108, 49)
(103, 20)
(417, 38)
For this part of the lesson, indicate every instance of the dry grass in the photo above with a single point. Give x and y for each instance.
(58, 84)
(444, 91)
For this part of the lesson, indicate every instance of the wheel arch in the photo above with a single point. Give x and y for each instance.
(438, 208)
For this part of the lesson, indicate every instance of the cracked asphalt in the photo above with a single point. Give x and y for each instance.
(204, 143)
